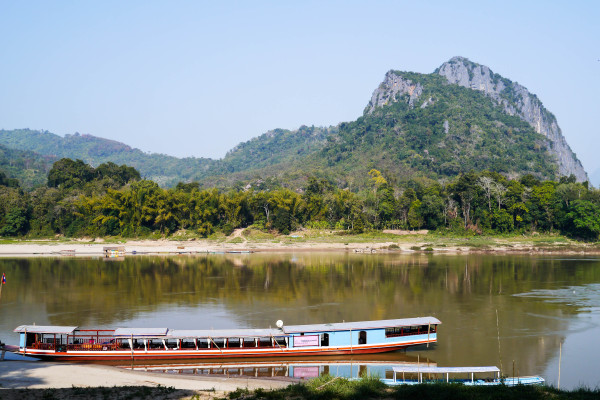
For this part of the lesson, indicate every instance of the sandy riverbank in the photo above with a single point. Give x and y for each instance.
(403, 244)
(20, 374)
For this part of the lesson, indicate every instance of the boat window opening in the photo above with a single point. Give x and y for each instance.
(203, 343)
(249, 342)
(188, 344)
(280, 342)
(219, 342)
(155, 344)
(30, 339)
(362, 337)
(265, 342)
(171, 344)
(234, 343)
(325, 339)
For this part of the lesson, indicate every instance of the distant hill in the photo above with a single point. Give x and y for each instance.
(462, 117)
(165, 170)
(30, 168)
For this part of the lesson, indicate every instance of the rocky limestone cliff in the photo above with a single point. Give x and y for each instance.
(391, 86)
(516, 100)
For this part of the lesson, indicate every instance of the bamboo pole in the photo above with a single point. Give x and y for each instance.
(559, 361)
(498, 330)
(428, 330)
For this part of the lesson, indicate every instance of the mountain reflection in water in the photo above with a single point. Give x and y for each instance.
(532, 304)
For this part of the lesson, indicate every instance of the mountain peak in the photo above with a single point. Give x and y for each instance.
(516, 100)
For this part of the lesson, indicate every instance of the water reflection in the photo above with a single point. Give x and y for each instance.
(494, 309)
(354, 367)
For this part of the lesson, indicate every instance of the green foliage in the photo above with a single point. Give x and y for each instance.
(16, 222)
(166, 170)
(583, 220)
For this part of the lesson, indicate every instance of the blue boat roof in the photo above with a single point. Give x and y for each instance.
(361, 325)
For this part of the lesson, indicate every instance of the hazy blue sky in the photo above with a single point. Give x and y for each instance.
(192, 78)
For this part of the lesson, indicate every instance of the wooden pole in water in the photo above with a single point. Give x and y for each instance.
(559, 361)
(498, 330)
(428, 329)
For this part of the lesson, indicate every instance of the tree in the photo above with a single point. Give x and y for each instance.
(15, 222)
(67, 173)
(583, 220)
(488, 185)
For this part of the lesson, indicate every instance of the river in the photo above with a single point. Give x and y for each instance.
(523, 313)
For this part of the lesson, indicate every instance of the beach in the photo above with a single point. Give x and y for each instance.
(17, 372)
(397, 242)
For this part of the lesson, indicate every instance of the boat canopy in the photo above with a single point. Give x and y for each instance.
(361, 325)
(224, 333)
(140, 332)
(58, 330)
(443, 370)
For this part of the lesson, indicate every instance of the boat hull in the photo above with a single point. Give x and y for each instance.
(212, 353)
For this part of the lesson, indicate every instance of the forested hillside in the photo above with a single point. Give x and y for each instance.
(28, 168)
(165, 170)
(451, 130)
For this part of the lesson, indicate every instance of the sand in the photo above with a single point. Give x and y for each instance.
(153, 247)
(18, 374)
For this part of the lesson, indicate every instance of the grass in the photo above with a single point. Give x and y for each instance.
(327, 387)
(322, 388)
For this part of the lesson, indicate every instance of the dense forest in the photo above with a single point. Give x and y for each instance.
(111, 200)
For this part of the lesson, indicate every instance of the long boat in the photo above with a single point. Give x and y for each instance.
(74, 344)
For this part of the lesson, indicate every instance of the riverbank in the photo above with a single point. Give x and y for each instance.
(19, 375)
(244, 241)
(325, 387)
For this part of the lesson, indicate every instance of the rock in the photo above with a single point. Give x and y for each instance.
(391, 88)
(516, 100)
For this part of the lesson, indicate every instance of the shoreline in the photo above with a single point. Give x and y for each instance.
(26, 374)
(413, 244)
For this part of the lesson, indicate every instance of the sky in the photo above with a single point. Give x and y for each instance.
(194, 78)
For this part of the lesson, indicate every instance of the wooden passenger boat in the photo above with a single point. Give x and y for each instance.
(72, 343)
(472, 376)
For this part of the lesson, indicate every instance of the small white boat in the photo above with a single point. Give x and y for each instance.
(472, 376)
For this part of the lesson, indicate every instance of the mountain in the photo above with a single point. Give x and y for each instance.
(165, 170)
(459, 118)
(419, 125)
(515, 100)
(29, 168)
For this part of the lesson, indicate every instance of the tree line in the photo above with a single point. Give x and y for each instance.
(113, 200)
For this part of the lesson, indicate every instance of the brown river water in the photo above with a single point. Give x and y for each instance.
(523, 313)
